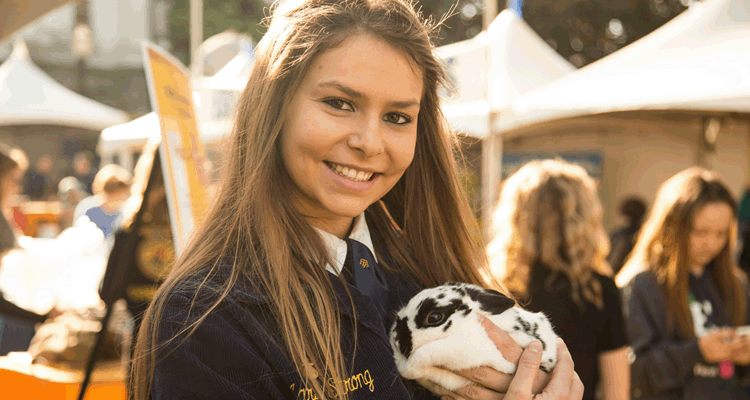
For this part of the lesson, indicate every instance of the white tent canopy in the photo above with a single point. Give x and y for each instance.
(133, 135)
(29, 96)
(698, 61)
(237, 69)
(494, 68)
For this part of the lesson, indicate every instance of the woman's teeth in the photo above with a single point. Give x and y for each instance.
(351, 173)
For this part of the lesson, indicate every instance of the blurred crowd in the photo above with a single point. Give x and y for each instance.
(30, 190)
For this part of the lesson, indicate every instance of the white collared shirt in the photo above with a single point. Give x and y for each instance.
(337, 248)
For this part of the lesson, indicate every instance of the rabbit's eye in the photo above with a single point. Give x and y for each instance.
(435, 318)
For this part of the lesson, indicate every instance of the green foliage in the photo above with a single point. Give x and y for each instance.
(583, 31)
(462, 19)
(218, 16)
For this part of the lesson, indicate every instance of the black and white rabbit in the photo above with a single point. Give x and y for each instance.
(439, 330)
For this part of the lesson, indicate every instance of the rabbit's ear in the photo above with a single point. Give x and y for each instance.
(490, 300)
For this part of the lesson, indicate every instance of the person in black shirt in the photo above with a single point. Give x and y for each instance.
(550, 250)
(623, 240)
(38, 180)
(684, 294)
(13, 165)
(83, 170)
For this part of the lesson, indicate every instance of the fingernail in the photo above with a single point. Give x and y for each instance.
(535, 347)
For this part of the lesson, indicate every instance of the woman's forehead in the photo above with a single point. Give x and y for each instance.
(368, 67)
(713, 215)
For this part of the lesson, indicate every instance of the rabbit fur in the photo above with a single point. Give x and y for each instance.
(439, 330)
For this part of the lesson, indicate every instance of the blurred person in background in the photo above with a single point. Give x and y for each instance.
(684, 294)
(111, 189)
(83, 170)
(622, 241)
(38, 180)
(70, 192)
(549, 250)
(13, 165)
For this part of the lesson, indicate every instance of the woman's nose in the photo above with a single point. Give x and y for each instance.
(367, 136)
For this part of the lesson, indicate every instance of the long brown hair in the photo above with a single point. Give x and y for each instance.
(253, 224)
(664, 240)
(549, 214)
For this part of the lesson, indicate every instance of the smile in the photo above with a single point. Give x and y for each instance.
(350, 173)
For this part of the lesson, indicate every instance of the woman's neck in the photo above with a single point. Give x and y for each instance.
(697, 269)
(339, 227)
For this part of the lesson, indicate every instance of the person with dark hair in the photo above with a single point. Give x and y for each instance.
(685, 297)
(84, 170)
(13, 165)
(622, 241)
(38, 180)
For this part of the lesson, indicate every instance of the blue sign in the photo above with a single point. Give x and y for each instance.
(516, 5)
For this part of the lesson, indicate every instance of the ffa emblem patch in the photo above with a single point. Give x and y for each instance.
(363, 263)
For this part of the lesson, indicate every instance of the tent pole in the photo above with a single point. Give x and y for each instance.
(489, 14)
(492, 153)
(492, 145)
(196, 28)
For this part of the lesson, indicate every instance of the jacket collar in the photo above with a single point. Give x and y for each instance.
(337, 248)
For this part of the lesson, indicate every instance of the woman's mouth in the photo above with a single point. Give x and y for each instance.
(349, 172)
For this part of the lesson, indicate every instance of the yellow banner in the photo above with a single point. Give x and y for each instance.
(182, 152)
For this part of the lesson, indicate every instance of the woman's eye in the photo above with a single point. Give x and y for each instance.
(435, 318)
(340, 104)
(398, 119)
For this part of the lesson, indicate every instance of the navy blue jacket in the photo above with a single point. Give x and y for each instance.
(234, 354)
(665, 364)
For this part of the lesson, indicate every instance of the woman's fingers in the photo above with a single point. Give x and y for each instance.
(429, 385)
(476, 392)
(508, 347)
(488, 377)
(528, 366)
(511, 351)
(565, 383)
(576, 388)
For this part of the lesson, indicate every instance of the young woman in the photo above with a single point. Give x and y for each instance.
(684, 293)
(13, 165)
(550, 250)
(338, 136)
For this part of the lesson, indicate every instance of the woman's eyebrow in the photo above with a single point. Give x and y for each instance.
(359, 95)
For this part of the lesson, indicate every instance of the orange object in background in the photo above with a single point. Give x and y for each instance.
(41, 216)
(20, 380)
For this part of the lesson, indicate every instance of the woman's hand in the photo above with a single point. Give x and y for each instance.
(717, 345)
(741, 351)
(564, 383)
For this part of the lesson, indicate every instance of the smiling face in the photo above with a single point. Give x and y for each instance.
(350, 130)
(710, 234)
